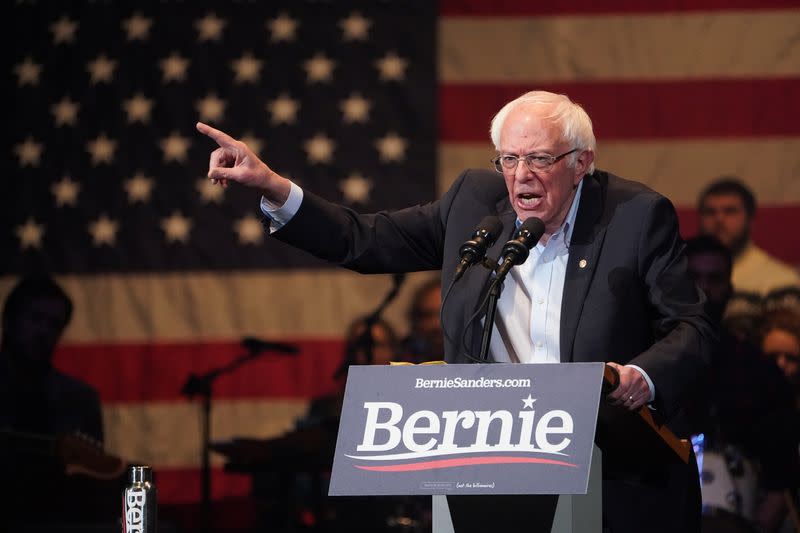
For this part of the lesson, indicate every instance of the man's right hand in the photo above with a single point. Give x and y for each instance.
(234, 161)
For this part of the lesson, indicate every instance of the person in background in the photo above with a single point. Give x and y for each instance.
(41, 412)
(425, 338)
(726, 210)
(780, 342)
(742, 410)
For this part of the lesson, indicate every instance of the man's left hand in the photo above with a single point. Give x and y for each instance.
(632, 392)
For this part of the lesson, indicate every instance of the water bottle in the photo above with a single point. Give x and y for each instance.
(139, 501)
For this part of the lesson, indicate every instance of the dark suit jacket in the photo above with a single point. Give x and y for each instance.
(633, 302)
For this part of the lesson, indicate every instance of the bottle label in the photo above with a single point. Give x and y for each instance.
(134, 510)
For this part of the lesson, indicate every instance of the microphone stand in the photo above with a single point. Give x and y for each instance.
(491, 310)
(366, 341)
(201, 385)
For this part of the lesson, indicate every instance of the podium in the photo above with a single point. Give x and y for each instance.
(507, 447)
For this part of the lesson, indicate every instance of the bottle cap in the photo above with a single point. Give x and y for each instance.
(141, 474)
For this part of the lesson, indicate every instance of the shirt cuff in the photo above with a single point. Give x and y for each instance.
(649, 382)
(280, 215)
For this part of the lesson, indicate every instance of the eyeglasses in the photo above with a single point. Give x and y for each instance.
(505, 162)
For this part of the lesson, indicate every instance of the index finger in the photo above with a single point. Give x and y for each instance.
(218, 136)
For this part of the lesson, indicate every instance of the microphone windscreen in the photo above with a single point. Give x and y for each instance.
(531, 231)
(491, 225)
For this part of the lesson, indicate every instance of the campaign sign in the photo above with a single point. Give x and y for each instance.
(467, 429)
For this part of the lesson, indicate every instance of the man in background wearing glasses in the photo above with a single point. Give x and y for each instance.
(606, 282)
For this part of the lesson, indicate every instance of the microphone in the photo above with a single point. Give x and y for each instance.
(254, 346)
(516, 251)
(474, 250)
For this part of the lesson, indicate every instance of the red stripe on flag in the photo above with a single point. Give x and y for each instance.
(640, 109)
(772, 229)
(505, 8)
(184, 485)
(138, 372)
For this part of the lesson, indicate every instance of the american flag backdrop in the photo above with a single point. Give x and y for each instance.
(373, 104)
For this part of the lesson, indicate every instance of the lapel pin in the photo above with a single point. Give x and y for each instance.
(582, 263)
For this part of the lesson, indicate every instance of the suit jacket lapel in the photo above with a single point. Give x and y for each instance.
(584, 252)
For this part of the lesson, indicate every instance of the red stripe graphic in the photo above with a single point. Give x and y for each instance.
(138, 372)
(464, 461)
(639, 109)
(505, 8)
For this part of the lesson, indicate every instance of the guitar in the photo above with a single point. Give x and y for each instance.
(80, 454)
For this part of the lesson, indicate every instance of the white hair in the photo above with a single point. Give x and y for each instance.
(575, 124)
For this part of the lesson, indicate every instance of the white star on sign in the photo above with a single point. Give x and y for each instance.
(65, 191)
(392, 67)
(355, 109)
(104, 231)
(211, 108)
(319, 68)
(247, 68)
(174, 67)
(249, 229)
(139, 188)
(283, 110)
(30, 234)
(138, 108)
(392, 147)
(319, 149)
(101, 69)
(175, 147)
(210, 192)
(527, 403)
(176, 227)
(355, 27)
(64, 30)
(282, 28)
(137, 27)
(28, 72)
(65, 112)
(29, 152)
(355, 189)
(101, 149)
(209, 28)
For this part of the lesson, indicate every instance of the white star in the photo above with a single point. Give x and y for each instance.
(247, 68)
(65, 112)
(392, 67)
(30, 234)
(64, 30)
(319, 149)
(174, 67)
(283, 110)
(175, 147)
(101, 69)
(137, 27)
(355, 27)
(528, 402)
(102, 149)
(210, 108)
(392, 147)
(355, 108)
(209, 191)
(355, 188)
(65, 191)
(176, 227)
(254, 143)
(139, 188)
(104, 231)
(29, 152)
(138, 108)
(28, 72)
(319, 68)
(250, 230)
(209, 28)
(282, 28)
